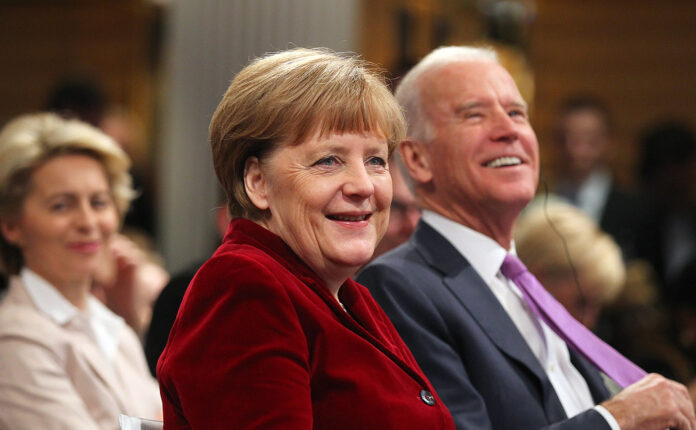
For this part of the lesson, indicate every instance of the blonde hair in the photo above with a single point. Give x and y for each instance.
(285, 97)
(28, 141)
(593, 253)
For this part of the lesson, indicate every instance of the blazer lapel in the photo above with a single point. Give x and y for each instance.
(86, 348)
(89, 351)
(477, 298)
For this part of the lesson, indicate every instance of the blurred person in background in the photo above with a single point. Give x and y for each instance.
(169, 300)
(78, 97)
(129, 279)
(667, 171)
(272, 332)
(66, 361)
(583, 135)
(577, 263)
(403, 214)
(83, 98)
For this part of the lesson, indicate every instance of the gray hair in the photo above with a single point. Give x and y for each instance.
(408, 93)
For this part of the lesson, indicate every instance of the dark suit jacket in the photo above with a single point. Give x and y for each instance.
(260, 343)
(164, 313)
(466, 343)
(625, 216)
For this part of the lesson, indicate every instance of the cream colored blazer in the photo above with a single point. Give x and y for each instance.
(56, 377)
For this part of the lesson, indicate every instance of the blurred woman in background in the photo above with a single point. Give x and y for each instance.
(575, 261)
(66, 361)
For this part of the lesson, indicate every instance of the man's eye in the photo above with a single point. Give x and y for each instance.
(59, 206)
(519, 113)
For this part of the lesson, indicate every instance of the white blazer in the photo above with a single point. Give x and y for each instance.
(56, 377)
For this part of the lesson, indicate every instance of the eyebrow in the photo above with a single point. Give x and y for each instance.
(466, 106)
(477, 104)
(522, 105)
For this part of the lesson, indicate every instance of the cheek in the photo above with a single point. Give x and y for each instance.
(532, 145)
(383, 192)
(109, 222)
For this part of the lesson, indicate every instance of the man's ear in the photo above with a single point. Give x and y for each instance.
(255, 183)
(416, 158)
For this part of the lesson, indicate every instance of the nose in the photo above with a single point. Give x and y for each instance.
(504, 128)
(358, 182)
(86, 217)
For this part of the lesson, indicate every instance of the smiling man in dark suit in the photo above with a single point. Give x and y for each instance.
(473, 160)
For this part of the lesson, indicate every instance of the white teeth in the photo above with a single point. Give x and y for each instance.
(349, 218)
(504, 161)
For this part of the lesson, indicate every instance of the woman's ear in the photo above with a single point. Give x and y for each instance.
(11, 232)
(255, 183)
(416, 158)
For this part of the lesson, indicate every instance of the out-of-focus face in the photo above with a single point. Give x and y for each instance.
(403, 215)
(484, 153)
(584, 141)
(328, 199)
(583, 307)
(66, 221)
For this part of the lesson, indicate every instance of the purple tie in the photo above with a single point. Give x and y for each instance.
(576, 335)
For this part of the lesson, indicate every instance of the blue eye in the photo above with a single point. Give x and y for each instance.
(517, 113)
(327, 161)
(377, 161)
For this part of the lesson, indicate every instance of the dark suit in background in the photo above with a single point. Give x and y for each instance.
(164, 314)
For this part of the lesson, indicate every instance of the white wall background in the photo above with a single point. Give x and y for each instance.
(207, 42)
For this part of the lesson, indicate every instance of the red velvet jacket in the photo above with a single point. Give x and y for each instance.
(260, 343)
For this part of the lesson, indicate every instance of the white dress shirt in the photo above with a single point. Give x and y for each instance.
(104, 326)
(593, 193)
(486, 257)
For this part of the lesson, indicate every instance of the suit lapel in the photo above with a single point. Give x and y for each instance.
(595, 381)
(460, 278)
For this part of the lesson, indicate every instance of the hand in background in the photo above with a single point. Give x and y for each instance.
(129, 282)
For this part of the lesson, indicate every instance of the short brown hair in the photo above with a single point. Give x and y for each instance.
(28, 141)
(285, 97)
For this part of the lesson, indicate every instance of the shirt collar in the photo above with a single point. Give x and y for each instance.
(105, 325)
(483, 253)
(47, 298)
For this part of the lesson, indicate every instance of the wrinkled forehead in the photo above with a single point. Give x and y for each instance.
(468, 82)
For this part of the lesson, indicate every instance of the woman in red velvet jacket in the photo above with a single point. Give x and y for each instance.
(272, 333)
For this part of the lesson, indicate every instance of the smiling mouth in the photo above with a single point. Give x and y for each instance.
(504, 162)
(349, 218)
(88, 247)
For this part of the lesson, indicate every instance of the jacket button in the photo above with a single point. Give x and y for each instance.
(427, 397)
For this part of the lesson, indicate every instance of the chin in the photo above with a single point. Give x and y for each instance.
(356, 258)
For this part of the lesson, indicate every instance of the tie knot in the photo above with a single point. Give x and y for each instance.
(512, 266)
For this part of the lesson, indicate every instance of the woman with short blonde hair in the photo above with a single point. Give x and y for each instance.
(558, 242)
(66, 361)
